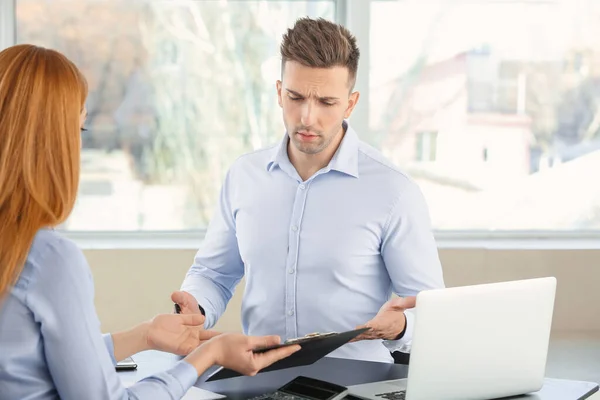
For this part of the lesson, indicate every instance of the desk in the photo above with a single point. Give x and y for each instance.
(337, 370)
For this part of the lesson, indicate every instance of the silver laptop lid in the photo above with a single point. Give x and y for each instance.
(481, 341)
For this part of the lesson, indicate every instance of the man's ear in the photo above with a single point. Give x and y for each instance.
(279, 99)
(352, 100)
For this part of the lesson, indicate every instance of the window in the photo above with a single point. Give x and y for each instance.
(511, 90)
(426, 146)
(499, 126)
(178, 90)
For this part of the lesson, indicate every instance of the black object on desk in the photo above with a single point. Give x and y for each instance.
(313, 348)
(126, 365)
(340, 371)
(353, 372)
(303, 388)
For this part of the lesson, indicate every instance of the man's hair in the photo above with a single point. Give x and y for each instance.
(319, 43)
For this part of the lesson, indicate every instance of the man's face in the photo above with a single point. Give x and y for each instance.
(315, 101)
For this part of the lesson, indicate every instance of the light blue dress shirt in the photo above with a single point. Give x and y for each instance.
(50, 341)
(318, 255)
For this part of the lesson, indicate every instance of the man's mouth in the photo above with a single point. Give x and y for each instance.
(307, 134)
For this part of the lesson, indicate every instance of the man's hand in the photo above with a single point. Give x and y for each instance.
(389, 321)
(187, 303)
(177, 333)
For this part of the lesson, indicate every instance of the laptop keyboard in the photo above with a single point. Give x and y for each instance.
(277, 396)
(399, 395)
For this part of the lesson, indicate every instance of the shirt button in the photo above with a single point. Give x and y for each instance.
(291, 312)
(291, 270)
(302, 187)
(294, 228)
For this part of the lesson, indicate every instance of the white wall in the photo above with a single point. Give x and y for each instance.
(134, 285)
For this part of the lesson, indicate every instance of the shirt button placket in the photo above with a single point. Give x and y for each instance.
(291, 325)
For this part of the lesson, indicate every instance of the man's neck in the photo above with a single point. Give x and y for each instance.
(308, 164)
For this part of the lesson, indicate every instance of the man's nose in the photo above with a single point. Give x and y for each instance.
(308, 114)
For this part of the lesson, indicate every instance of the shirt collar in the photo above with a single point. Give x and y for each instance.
(344, 160)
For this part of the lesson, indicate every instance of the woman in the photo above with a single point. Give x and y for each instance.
(50, 340)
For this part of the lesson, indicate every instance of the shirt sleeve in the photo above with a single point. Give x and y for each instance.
(218, 266)
(410, 254)
(110, 347)
(76, 352)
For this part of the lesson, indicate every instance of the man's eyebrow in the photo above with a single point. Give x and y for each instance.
(326, 98)
(293, 93)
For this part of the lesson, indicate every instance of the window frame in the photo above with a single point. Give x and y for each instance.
(355, 14)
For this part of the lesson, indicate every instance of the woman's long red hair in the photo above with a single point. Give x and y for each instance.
(42, 95)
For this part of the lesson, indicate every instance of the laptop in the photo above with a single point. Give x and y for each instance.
(475, 342)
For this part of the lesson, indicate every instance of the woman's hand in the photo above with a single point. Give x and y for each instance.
(235, 351)
(177, 333)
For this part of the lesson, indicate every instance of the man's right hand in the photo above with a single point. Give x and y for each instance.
(186, 302)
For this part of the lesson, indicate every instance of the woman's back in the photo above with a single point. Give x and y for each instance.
(22, 367)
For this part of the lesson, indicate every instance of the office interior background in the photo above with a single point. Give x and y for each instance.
(492, 106)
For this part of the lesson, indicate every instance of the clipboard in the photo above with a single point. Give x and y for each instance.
(313, 348)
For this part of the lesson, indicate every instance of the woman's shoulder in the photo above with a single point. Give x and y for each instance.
(53, 256)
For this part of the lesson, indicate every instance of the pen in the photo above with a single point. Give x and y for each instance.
(178, 309)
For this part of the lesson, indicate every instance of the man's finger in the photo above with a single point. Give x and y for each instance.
(269, 357)
(363, 335)
(186, 302)
(403, 303)
(179, 298)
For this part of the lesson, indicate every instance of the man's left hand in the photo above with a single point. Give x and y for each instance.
(389, 321)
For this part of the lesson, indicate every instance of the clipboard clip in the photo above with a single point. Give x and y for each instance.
(315, 335)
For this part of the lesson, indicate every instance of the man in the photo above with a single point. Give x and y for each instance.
(321, 225)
